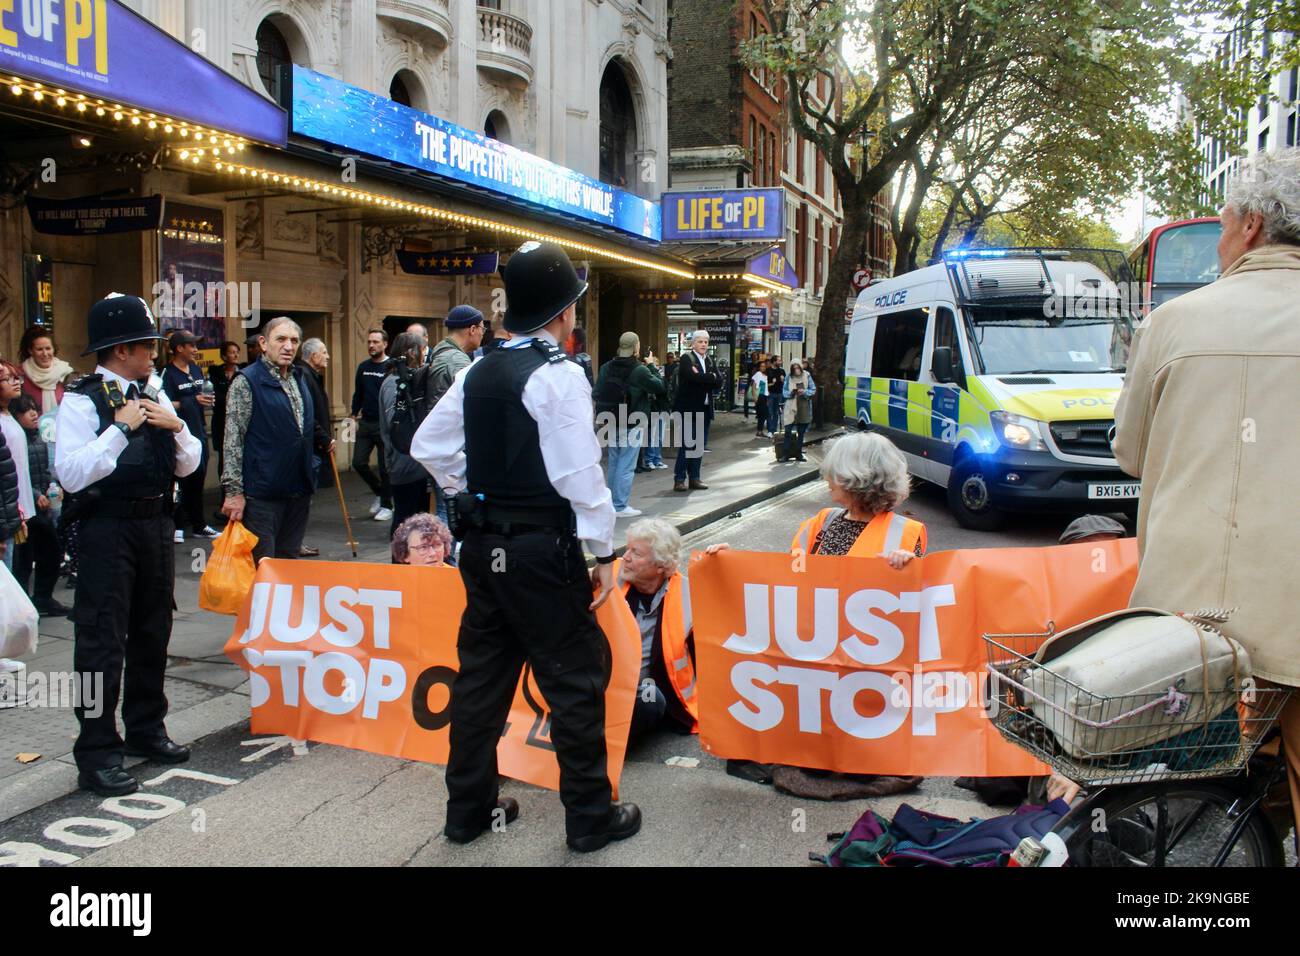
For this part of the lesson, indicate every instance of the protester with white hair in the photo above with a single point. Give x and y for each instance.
(1207, 421)
(659, 596)
(867, 478)
(270, 429)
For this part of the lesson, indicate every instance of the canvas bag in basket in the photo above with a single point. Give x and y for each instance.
(1115, 663)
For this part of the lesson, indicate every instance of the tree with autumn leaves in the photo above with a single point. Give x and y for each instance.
(1036, 114)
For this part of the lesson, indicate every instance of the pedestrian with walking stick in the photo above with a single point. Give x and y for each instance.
(269, 438)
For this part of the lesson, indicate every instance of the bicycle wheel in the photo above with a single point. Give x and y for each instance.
(1182, 823)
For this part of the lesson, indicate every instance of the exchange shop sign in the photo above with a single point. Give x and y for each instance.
(337, 113)
(755, 317)
(107, 51)
(364, 656)
(716, 214)
(846, 664)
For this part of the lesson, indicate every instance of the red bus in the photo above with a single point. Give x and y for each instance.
(1176, 258)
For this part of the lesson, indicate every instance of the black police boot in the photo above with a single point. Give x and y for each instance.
(624, 821)
(162, 750)
(109, 782)
(464, 835)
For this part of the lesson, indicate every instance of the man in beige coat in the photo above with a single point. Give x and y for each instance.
(1208, 420)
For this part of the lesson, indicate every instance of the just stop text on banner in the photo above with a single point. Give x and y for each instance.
(847, 664)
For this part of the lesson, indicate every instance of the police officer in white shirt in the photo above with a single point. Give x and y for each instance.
(513, 444)
(118, 450)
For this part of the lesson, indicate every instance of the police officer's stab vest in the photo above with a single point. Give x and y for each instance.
(277, 455)
(147, 465)
(885, 532)
(503, 455)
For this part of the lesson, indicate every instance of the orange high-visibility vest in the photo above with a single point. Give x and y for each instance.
(885, 532)
(674, 627)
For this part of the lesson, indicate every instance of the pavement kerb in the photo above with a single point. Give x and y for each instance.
(779, 488)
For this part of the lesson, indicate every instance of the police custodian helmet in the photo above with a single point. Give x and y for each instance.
(118, 319)
(540, 284)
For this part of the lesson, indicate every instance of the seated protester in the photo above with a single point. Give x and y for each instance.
(867, 478)
(659, 596)
(41, 550)
(422, 540)
(1013, 791)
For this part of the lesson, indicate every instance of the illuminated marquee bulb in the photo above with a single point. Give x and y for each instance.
(117, 114)
(62, 101)
(153, 125)
(81, 107)
(16, 90)
(37, 95)
(167, 127)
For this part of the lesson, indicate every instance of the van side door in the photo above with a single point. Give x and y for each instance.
(945, 397)
(899, 406)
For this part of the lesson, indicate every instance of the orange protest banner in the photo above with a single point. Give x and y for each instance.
(364, 655)
(846, 664)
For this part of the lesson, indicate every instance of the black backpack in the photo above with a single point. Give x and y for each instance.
(410, 406)
(613, 388)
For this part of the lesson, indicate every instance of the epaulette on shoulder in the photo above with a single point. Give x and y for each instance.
(84, 383)
(552, 352)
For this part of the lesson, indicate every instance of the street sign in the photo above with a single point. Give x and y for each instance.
(861, 279)
(792, 333)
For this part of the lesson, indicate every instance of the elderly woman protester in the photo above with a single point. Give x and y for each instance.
(43, 371)
(867, 478)
(421, 540)
(659, 596)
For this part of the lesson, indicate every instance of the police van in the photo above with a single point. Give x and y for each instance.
(996, 372)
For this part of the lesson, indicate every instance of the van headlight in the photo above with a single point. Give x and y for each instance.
(1015, 431)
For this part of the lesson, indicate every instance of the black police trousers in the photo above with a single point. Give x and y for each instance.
(527, 599)
(122, 615)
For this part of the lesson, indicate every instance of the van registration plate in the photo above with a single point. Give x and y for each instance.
(1119, 489)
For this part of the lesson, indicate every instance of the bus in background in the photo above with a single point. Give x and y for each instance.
(1176, 258)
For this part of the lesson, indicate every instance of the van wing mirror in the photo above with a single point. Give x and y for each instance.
(941, 364)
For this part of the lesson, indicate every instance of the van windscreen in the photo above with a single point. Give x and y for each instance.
(1025, 340)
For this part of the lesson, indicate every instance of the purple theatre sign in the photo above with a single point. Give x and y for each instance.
(773, 266)
(107, 51)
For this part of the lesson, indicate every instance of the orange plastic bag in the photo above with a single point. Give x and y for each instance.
(229, 575)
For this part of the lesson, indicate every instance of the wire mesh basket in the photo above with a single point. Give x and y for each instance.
(1184, 732)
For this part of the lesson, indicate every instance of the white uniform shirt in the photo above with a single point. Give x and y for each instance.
(558, 398)
(82, 456)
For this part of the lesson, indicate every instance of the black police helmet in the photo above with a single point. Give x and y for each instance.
(118, 319)
(540, 284)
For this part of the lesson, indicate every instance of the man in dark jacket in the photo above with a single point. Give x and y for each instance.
(697, 379)
(313, 362)
(270, 431)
